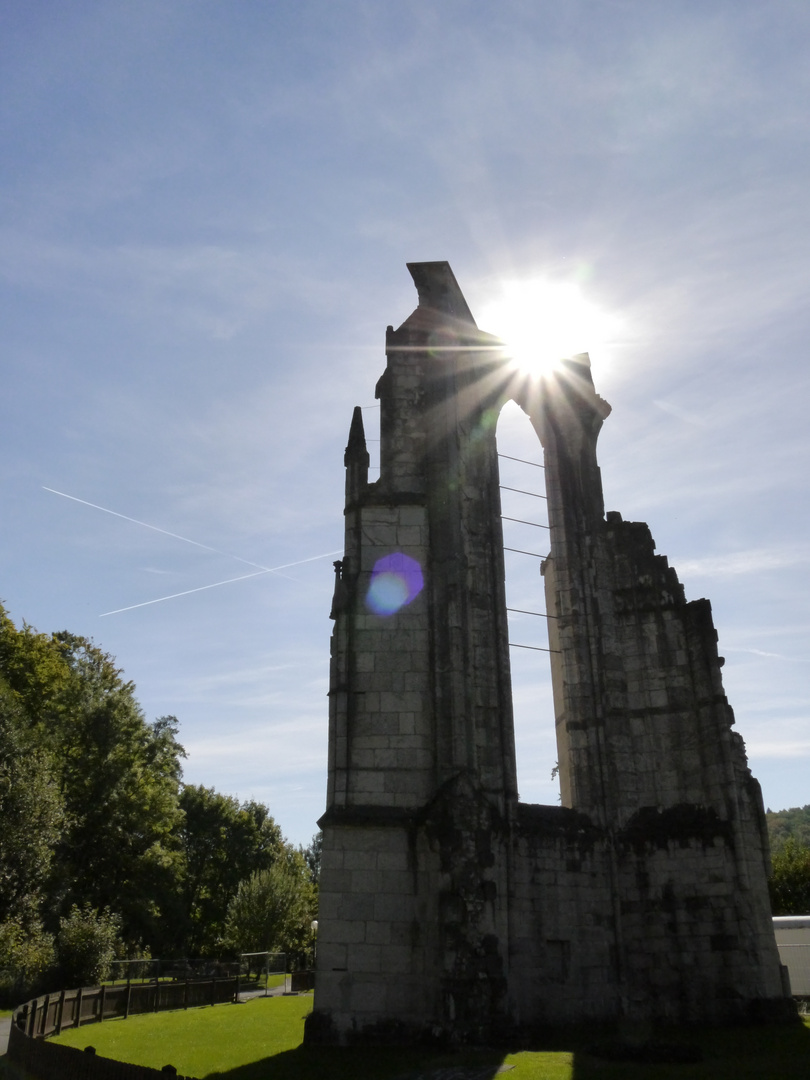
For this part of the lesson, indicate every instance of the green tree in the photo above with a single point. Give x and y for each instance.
(35, 671)
(312, 857)
(273, 909)
(80, 734)
(790, 880)
(222, 844)
(120, 778)
(93, 810)
(784, 824)
(87, 944)
(31, 815)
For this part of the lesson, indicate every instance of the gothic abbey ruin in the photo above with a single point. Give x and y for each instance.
(446, 905)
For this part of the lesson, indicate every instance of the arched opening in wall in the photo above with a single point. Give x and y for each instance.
(526, 543)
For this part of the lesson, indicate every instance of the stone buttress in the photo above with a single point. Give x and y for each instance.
(447, 907)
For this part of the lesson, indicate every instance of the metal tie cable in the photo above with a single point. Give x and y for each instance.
(539, 614)
(520, 491)
(535, 648)
(523, 461)
(521, 521)
(520, 551)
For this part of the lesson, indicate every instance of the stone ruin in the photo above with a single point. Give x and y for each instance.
(449, 908)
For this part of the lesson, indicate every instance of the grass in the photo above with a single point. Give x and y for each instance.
(200, 1041)
(262, 1039)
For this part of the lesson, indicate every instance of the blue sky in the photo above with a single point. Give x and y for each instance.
(205, 213)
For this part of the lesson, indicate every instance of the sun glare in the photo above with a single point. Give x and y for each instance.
(543, 322)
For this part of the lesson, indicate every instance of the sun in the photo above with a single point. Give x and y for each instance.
(543, 322)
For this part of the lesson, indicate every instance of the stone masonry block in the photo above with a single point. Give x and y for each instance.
(411, 515)
(360, 860)
(364, 957)
(397, 959)
(392, 860)
(393, 908)
(385, 759)
(368, 786)
(399, 882)
(329, 905)
(378, 534)
(366, 881)
(331, 858)
(331, 955)
(363, 759)
(410, 536)
(341, 931)
(369, 839)
(401, 787)
(378, 933)
(368, 998)
(411, 701)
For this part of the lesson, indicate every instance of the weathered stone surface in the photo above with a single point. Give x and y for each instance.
(447, 907)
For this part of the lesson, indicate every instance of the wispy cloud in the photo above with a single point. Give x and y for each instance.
(681, 414)
(778, 748)
(734, 563)
(729, 650)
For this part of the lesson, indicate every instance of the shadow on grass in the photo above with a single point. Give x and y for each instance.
(373, 1063)
(769, 1052)
(754, 1052)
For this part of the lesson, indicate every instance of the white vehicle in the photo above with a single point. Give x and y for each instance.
(793, 941)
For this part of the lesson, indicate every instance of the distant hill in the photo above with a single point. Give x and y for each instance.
(783, 824)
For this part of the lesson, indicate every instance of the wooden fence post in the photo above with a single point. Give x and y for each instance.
(32, 1018)
(103, 1002)
(79, 1008)
(60, 1013)
(128, 999)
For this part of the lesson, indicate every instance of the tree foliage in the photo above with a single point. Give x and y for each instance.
(312, 857)
(790, 879)
(273, 909)
(87, 945)
(89, 791)
(26, 953)
(222, 843)
(786, 824)
(94, 818)
(32, 813)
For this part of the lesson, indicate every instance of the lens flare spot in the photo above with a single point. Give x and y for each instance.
(396, 580)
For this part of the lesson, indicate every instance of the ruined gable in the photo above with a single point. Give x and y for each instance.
(448, 906)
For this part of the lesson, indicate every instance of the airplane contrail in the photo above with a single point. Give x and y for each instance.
(202, 588)
(155, 528)
(206, 547)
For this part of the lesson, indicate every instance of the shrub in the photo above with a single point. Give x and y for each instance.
(26, 953)
(87, 943)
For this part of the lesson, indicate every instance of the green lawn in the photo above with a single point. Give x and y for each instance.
(261, 1040)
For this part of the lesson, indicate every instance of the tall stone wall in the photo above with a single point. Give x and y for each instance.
(448, 908)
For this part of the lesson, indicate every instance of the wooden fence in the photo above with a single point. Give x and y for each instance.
(53, 1013)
